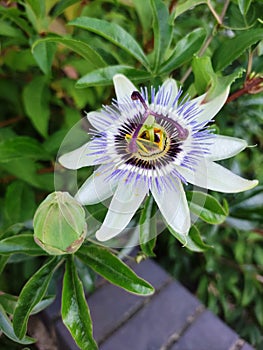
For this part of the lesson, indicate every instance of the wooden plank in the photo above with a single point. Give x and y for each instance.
(111, 306)
(151, 326)
(170, 319)
(246, 346)
(207, 332)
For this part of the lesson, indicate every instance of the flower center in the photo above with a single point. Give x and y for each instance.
(154, 134)
(152, 140)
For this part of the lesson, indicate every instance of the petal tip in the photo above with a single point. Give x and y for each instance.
(254, 183)
(66, 161)
(103, 235)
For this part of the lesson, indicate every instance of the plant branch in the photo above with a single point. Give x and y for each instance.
(219, 19)
(10, 121)
(251, 86)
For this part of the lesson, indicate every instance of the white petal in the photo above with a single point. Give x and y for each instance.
(167, 93)
(174, 208)
(217, 178)
(211, 108)
(123, 87)
(78, 158)
(124, 204)
(95, 189)
(98, 120)
(224, 147)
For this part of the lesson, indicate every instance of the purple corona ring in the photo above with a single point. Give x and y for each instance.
(153, 143)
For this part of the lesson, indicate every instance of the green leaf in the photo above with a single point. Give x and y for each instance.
(113, 269)
(20, 244)
(258, 311)
(114, 33)
(7, 328)
(36, 102)
(143, 8)
(244, 6)
(203, 72)
(43, 53)
(148, 232)
(6, 29)
(61, 6)
(31, 294)
(103, 76)
(206, 77)
(184, 50)
(14, 15)
(22, 147)
(19, 202)
(8, 302)
(26, 169)
(162, 31)
(233, 48)
(38, 7)
(74, 310)
(206, 207)
(249, 291)
(186, 6)
(192, 241)
(3, 262)
(43, 304)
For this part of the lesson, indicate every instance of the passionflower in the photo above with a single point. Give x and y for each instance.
(153, 143)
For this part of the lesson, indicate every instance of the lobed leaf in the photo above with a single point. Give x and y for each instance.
(22, 147)
(233, 48)
(184, 50)
(113, 269)
(61, 6)
(103, 76)
(19, 203)
(192, 241)
(7, 328)
(113, 33)
(206, 78)
(3, 262)
(162, 31)
(244, 6)
(74, 309)
(20, 244)
(43, 51)
(186, 6)
(31, 294)
(38, 7)
(206, 207)
(26, 169)
(36, 102)
(14, 15)
(8, 302)
(143, 9)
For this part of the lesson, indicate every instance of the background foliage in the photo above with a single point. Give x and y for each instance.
(57, 60)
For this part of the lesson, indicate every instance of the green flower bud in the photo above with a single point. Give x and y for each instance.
(59, 224)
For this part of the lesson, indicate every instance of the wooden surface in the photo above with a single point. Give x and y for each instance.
(171, 319)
